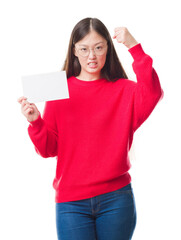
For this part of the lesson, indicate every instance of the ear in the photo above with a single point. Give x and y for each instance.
(74, 51)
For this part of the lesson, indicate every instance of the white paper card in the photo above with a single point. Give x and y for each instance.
(45, 87)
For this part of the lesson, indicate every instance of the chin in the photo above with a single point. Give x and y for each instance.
(94, 70)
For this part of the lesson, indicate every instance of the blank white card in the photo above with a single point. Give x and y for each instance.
(45, 87)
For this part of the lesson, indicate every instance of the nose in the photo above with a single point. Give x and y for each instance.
(92, 54)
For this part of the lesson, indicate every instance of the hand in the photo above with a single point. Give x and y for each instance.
(29, 110)
(122, 35)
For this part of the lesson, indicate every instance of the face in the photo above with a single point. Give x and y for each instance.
(93, 63)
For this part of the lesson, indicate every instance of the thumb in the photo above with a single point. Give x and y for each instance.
(34, 107)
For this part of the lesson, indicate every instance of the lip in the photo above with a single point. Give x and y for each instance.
(92, 62)
(93, 66)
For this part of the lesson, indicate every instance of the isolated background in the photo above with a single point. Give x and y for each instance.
(34, 39)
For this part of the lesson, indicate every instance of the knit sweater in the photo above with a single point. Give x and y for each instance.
(91, 133)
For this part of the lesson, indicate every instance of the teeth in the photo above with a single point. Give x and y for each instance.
(92, 64)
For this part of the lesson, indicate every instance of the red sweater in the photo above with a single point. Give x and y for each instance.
(91, 132)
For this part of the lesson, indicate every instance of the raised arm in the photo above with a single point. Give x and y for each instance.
(147, 91)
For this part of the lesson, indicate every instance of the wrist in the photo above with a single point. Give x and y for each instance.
(35, 118)
(133, 44)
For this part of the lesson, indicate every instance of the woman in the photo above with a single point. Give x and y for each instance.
(91, 133)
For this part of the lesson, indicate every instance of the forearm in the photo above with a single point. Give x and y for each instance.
(44, 139)
(148, 90)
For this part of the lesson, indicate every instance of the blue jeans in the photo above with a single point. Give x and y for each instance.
(109, 216)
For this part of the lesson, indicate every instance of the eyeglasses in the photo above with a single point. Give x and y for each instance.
(98, 50)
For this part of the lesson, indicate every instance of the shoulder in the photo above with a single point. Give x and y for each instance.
(125, 83)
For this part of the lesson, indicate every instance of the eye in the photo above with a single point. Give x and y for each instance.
(99, 47)
(83, 49)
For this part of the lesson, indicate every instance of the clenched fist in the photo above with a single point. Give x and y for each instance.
(122, 35)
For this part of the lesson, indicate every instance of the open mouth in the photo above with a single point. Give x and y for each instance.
(92, 64)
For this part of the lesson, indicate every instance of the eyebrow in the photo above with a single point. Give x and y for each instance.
(87, 45)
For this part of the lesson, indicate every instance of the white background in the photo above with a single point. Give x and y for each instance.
(34, 39)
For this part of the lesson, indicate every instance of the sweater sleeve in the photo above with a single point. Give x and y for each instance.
(147, 91)
(43, 132)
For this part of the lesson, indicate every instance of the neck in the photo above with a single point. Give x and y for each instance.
(89, 77)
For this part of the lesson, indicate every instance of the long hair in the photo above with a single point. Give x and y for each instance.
(112, 69)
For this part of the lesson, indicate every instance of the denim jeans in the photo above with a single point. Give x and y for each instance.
(109, 216)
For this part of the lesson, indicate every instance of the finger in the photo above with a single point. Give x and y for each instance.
(25, 107)
(117, 29)
(116, 34)
(34, 108)
(121, 30)
(21, 99)
(29, 110)
(32, 104)
(24, 102)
